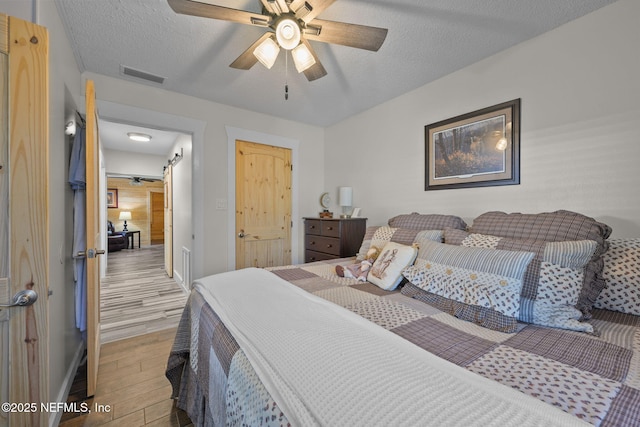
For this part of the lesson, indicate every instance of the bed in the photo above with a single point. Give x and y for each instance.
(300, 345)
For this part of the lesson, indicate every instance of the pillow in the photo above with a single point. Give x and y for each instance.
(486, 282)
(416, 221)
(386, 271)
(621, 274)
(555, 226)
(553, 280)
(380, 236)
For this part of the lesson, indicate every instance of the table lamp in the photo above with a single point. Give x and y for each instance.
(124, 216)
(346, 200)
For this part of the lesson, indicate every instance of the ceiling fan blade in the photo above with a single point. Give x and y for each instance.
(352, 35)
(316, 70)
(277, 7)
(247, 59)
(206, 10)
(308, 10)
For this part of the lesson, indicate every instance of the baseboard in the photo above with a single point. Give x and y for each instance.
(54, 417)
(180, 281)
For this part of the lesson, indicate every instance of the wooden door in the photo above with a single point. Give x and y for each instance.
(157, 217)
(263, 205)
(93, 231)
(168, 220)
(24, 219)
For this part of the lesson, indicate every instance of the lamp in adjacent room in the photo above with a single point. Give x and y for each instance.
(346, 201)
(124, 216)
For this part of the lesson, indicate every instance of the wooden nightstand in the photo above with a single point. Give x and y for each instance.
(329, 238)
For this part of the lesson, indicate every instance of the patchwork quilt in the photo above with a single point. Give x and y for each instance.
(594, 378)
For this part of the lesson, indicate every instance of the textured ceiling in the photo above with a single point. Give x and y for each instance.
(427, 39)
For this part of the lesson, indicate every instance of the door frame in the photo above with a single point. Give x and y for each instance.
(234, 134)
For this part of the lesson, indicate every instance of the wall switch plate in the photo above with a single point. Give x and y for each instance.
(221, 204)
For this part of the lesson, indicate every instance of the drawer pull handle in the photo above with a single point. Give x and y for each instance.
(329, 228)
(312, 242)
(329, 246)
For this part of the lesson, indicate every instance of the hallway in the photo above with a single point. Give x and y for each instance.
(137, 297)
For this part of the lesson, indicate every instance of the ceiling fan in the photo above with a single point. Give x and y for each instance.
(293, 24)
(137, 181)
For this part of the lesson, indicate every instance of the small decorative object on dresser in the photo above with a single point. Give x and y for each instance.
(329, 238)
(325, 201)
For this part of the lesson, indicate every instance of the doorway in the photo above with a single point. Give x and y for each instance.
(263, 205)
(234, 134)
(156, 230)
(135, 275)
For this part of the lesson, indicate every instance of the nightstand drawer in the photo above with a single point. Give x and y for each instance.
(329, 245)
(312, 256)
(331, 228)
(313, 226)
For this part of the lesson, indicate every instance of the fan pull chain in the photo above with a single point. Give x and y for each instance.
(286, 76)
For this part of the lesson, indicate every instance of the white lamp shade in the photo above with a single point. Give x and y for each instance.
(125, 216)
(267, 52)
(302, 57)
(288, 33)
(346, 196)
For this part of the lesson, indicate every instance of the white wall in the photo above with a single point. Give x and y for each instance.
(580, 148)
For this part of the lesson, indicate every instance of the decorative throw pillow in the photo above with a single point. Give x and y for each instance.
(622, 277)
(386, 272)
(553, 280)
(558, 226)
(486, 282)
(416, 221)
(380, 236)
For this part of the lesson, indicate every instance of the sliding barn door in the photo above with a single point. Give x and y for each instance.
(168, 220)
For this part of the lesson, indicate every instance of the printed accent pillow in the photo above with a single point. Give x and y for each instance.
(622, 277)
(481, 279)
(553, 280)
(558, 226)
(386, 271)
(379, 236)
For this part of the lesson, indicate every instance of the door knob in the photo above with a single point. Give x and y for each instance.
(22, 299)
(91, 253)
(241, 234)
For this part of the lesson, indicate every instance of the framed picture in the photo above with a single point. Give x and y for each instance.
(112, 198)
(477, 149)
(356, 213)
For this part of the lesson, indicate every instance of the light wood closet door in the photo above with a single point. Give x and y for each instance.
(263, 205)
(24, 219)
(94, 231)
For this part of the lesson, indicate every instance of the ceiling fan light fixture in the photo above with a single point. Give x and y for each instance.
(288, 33)
(302, 57)
(140, 137)
(267, 52)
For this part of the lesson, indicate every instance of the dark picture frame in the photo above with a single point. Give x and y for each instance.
(477, 149)
(112, 197)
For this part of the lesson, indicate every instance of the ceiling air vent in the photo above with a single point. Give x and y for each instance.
(132, 72)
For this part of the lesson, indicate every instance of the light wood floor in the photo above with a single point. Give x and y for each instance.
(132, 389)
(137, 296)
